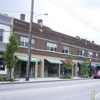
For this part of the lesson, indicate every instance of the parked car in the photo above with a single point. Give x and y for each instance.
(97, 74)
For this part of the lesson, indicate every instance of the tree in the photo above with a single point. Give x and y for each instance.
(68, 65)
(83, 66)
(8, 55)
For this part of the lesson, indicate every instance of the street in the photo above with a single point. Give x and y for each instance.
(62, 90)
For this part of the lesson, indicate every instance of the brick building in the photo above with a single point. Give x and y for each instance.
(48, 50)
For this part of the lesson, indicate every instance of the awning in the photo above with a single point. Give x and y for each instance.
(65, 61)
(24, 58)
(98, 65)
(54, 61)
(92, 65)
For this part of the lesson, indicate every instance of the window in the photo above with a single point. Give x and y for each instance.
(2, 67)
(90, 54)
(24, 42)
(4, 19)
(66, 49)
(51, 46)
(81, 52)
(1, 35)
(2, 46)
(97, 55)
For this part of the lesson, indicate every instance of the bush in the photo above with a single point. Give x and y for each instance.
(11, 79)
(4, 79)
(84, 76)
(0, 79)
(66, 77)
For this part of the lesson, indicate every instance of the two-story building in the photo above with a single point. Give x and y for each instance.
(48, 49)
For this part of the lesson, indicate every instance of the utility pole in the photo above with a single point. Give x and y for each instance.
(29, 45)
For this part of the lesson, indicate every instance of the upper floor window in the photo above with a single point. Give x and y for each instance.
(4, 19)
(90, 54)
(24, 42)
(1, 35)
(51, 46)
(97, 55)
(81, 52)
(66, 49)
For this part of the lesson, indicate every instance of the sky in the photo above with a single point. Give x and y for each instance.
(72, 17)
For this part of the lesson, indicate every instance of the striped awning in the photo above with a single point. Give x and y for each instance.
(24, 58)
(65, 61)
(54, 61)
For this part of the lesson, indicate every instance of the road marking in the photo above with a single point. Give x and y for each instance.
(47, 88)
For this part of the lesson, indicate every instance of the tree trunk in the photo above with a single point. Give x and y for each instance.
(10, 73)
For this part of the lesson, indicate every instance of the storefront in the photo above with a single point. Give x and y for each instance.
(52, 68)
(20, 69)
(71, 72)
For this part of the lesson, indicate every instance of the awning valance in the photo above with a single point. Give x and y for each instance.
(24, 58)
(65, 61)
(98, 65)
(54, 61)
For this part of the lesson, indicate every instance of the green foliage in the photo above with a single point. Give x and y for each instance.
(4, 79)
(84, 76)
(66, 77)
(11, 48)
(68, 65)
(85, 68)
(11, 79)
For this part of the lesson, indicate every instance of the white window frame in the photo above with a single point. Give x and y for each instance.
(81, 52)
(90, 54)
(97, 55)
(66, 49)
(25, 41)
(51, 47)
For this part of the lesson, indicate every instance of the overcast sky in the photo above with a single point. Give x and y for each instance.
(72, 17)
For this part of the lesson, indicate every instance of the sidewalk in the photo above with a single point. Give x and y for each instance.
(37, 80)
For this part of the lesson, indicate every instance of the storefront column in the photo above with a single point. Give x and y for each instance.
(75, 70)
(59, 71)
(42, 68)
(36, 69)
(12, 73)
(72, 71)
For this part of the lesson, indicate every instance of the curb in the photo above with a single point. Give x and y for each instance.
(42, 81)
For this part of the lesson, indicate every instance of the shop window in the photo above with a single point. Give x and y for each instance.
(24, 42)
(2, 66)
(81, 52)
(51, 46)
(66, 49)
(90, 54)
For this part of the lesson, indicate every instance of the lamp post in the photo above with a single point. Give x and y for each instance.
(30, 36)
(90, 68)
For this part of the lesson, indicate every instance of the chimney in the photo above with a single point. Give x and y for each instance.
(93, 42)
(40, 22)
(22, 17)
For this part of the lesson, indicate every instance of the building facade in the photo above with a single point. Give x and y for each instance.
(48, 49)
(6, 27)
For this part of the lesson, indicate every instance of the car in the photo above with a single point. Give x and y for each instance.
(96, 75)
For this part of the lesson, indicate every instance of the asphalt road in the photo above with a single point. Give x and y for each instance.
(63, 90)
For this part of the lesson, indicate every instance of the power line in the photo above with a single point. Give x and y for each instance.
(72, 11)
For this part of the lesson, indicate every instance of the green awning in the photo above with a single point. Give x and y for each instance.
(98, 65)
(24, 58)
(53, 61)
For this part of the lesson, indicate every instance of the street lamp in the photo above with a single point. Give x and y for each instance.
(90, 67)
(41, 14)
(30, 36)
